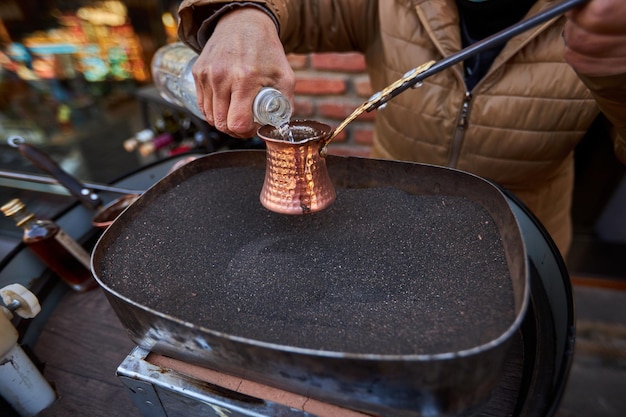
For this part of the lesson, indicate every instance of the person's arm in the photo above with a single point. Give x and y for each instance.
(595, 38)
(242, 55)
(242, 48)
(199, 17)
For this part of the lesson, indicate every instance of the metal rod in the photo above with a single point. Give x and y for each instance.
(487, 43)
(41, 179)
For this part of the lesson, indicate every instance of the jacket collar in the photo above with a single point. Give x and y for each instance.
(518, 42)
(440, 19)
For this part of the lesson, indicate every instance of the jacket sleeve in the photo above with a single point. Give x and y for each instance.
(610, 94)
(199, 17)
(304, 25)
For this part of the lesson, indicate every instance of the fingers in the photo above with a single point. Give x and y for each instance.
(595, 38)
(220, 97)
(243, 55)
(599, 16)
(227, 104)
(204, 100)
(239, 119)
(221, 101)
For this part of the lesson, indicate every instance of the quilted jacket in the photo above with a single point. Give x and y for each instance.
(518, 127)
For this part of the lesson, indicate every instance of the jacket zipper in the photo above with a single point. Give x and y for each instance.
(459, 133)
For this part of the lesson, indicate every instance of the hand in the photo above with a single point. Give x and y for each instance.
(242, 55)
(595, 37)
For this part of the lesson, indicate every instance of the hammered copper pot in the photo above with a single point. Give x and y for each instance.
(296, 177)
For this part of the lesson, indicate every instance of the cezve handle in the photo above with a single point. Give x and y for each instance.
(44, 162)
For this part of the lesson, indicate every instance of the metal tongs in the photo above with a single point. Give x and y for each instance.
(105, 213)
(415, 76)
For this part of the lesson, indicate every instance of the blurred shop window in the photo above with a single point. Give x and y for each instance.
(70, 76)
(70, 72)
(170, 24)
(97, 39)
(57, 67)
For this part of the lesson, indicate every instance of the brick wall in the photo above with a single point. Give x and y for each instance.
(329, 87)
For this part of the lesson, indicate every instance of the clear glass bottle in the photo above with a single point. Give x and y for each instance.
(171, 71)
(59, 251)
(271, 107)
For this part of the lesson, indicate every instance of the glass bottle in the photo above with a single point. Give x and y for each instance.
(271, 107)
(59, 251)
(171, 71)
(140, 137)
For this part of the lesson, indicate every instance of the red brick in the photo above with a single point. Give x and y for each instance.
(341, 136)
(319, 85)
(298, 61)
(349, 150)
(304, 107)
(340, 109)
(362, 86)
(345, 62)
(363, 135)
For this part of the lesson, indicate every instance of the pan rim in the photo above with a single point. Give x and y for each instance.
(503, 338)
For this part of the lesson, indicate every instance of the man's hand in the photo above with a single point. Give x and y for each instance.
(242, 55)
(595, 37)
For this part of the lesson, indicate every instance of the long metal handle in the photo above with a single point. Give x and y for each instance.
(42, 179)
(44, 162)
(487, 43)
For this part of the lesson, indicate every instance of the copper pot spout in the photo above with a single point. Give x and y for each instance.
(296, 177)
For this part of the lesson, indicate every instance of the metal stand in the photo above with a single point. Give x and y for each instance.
(165, 387)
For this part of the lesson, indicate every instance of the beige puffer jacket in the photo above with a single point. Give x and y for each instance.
(518, 127)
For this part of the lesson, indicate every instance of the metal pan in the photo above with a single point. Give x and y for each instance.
(381, 382)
